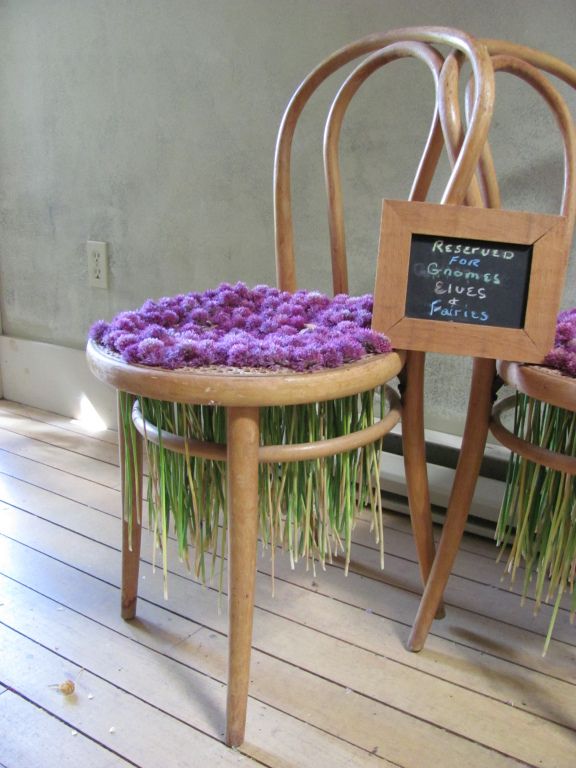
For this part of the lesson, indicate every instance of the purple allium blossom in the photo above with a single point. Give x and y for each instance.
(563, 355)
(151, 351)
(98, 330)
(238, 326)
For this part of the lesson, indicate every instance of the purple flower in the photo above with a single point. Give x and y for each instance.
(154, 331)
(269, 325)
(125, 340)
(332, 355)
(111, 337)
(238, 326)
(351, 348)
(363, 317)
(151, 351)
(98, 330)
(131, 354)
(129, 321)
(563, 354)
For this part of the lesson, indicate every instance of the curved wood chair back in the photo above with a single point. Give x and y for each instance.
(529, 65)
(414, 41)
(379, 50)
(534, 381)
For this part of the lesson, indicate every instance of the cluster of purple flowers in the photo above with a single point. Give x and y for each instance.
(563, 355)
(243, 327)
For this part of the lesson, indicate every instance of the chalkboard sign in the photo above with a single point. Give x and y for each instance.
(469, 281)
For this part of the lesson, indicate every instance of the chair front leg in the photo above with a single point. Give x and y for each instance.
(467, 472)
(243, 437)
(414, 449)
(130, 448)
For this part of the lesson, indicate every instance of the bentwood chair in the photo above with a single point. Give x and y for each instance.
(244, 393)
(531, 66)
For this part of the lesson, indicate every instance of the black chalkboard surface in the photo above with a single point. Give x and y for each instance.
(459, 280)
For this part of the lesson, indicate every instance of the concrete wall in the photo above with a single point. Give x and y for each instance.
(150, 124)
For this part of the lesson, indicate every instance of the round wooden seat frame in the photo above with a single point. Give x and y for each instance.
(540, 383)
(254, 390)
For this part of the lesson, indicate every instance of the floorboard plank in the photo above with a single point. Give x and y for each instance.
(58, 422)
(373, 675)
(479, 566)
(394, 521)
(105, 713)
(468, 565)
(73, 462)
(479, 694)
(475, 581)
(387, 730)
(172, 686)
(61, 483)
(45, 433)
(462, 593)
(48, 741)
(107, 499)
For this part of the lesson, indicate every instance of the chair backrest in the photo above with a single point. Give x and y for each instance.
(417, 42)
(531, 66)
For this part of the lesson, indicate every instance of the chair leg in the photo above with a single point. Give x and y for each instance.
(243, 440)
(131, 484)
(414, 449)
(467, 471)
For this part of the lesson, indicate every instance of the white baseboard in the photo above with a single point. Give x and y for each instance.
(54, 378)
(483, 510)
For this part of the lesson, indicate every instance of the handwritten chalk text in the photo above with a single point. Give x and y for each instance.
(468, 250)
(437, 307)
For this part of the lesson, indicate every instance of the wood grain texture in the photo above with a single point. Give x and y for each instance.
(242, 388)
(462, 171)
(525, 63)
(467, 471)
(332, 131)
(131, 477)
(334, 681)
(538, 454)
(277, 453)
(540, 383)
(243, 439)
(48, 741)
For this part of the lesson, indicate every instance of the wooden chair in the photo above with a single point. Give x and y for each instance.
(529, 65)
(540, 383)
(244, 394)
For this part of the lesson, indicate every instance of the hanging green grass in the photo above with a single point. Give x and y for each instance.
(538, 514)
(307, 508)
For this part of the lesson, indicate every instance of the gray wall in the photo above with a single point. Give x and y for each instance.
(151, 124)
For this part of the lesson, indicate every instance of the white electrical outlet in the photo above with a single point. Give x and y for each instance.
(97, 254)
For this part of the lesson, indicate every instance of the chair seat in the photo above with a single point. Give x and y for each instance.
(542, 383)
(243, 387)
(241, 346)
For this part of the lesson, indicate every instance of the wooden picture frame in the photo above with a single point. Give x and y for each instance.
(507, 267)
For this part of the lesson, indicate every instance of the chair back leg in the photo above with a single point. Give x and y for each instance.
(131, 485)
(467, 471)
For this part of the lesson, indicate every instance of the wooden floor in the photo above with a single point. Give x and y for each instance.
(332, 683)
